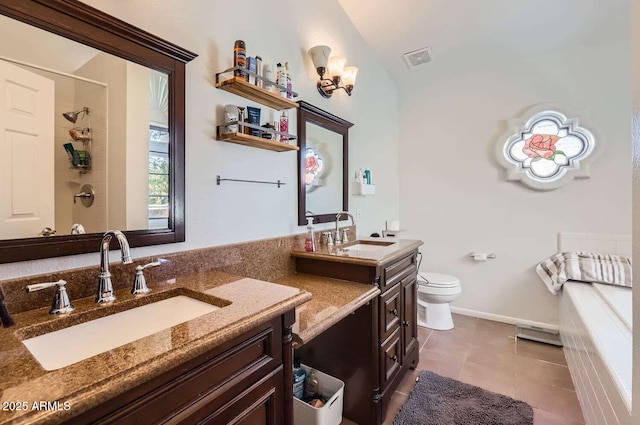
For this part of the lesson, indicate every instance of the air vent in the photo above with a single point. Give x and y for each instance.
(418, 57)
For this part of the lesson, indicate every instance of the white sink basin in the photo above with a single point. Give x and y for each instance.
(363, 247)
(64, 347)
(367, 246)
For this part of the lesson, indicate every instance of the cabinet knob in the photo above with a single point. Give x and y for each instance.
(394, 358)
(405, 323)
(395, 312)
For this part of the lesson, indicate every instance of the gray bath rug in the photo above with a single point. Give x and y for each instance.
(438, 400)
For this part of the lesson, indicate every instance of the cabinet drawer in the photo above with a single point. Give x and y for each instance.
(390, 358)
(255, 405)
(390, 311)
(238, 366)
(394, 272)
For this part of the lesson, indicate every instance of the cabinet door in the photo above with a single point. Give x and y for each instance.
(390, 358)
(409, 315)
(390, 311)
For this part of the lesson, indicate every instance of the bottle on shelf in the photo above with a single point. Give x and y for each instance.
(240, 58)
(267, 73)
(284, 127)
(259, 71)
(281, 78)
(231, 115)
(289, 84)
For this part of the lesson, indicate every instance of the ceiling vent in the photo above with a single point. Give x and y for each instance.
(418, 57)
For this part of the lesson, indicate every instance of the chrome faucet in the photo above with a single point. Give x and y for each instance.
(105, 288)
(338, 239)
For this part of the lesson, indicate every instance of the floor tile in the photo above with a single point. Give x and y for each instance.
(396, 402)
(443, 343)
(544, 372)
(488, 357)
(487, 354)
(457, 333)
(555, 400)
(444, 364)
(408, 382)
(540, 351)
(496, 328)
(488, 378)
(423, 336)
(542, 417)
(461, 321)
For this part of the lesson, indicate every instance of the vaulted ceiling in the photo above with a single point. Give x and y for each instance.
(468, 28)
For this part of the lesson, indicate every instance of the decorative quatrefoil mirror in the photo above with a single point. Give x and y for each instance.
(547, 151)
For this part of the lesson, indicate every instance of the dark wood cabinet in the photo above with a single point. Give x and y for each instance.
(242, 382)
(373, 349)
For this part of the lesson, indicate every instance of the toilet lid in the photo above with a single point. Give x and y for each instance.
(439, 280)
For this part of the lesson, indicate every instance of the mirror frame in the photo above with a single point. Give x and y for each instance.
(308, 113)
(82, 23)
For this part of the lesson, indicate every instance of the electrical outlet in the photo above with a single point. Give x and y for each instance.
(358, 214)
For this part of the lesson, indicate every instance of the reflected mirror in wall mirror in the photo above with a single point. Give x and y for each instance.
(90, 100)
(322, 164)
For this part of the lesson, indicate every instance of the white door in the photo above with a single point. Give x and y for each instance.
(26, 152)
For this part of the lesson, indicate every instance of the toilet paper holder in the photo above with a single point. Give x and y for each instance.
(480, 256)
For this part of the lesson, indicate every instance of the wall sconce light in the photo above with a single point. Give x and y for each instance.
(337, 71)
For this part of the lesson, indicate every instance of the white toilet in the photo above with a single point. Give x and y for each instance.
(434, 296)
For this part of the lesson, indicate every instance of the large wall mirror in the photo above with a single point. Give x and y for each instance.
(92, 115)
(323, 164)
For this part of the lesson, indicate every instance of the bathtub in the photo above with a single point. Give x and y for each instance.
(596, 331)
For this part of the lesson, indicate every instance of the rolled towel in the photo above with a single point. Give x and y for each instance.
(5, 317)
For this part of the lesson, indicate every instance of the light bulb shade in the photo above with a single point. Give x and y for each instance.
(336, 65)
(349, 75)
(320, 56)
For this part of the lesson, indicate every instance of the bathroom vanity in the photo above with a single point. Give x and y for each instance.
(373, 348)
(231, 364)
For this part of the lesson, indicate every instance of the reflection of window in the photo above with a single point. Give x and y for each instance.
(546, 150)
(158, 177)
(314, 168)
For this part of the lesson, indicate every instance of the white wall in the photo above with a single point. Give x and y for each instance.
(278, 30)
(453, 194)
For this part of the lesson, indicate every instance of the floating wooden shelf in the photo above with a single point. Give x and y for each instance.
(256, 142)
(241, 87)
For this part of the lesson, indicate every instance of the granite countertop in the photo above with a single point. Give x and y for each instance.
(388, 249)
(89, 382)
(332, 301)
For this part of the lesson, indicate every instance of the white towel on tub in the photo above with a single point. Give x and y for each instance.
(584, 267)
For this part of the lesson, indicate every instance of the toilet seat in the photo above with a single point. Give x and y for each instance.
(436, 280)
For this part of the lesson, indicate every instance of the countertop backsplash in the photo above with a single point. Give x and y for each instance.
(265, 259)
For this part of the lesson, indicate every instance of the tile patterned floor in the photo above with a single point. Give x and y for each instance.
(487, 354)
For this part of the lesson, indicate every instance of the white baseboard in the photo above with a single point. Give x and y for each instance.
(501, 318)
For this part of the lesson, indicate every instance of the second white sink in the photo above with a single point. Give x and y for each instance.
(64, 347)
(363, 247)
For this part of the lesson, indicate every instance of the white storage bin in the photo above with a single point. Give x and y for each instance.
(329, 414)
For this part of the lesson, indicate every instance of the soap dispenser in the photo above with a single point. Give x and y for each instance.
(310, 241)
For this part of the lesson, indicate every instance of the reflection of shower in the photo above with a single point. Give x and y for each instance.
(73, 116)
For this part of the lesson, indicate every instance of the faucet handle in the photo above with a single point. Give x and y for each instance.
(328, 238)
(61, 303)
(140, 283)
(345, 235)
